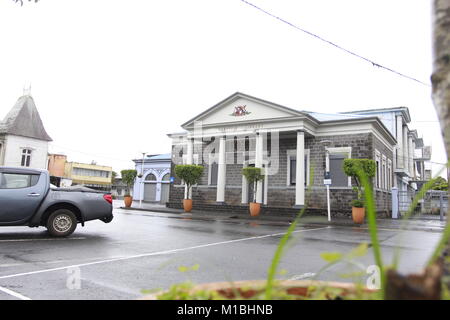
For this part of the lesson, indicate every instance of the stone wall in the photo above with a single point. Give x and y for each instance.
(281, 197)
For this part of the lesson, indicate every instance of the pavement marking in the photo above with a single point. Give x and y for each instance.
(43, 239)
(156, 253)
(14, 294)
(11, 265)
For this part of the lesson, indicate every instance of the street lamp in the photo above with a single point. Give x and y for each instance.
(142, 180)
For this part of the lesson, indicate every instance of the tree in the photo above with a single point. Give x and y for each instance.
(113, 177)
(440, 184)
(128, 177)
(428, 284)
(253, 175)
(440, 79)
(190, 174)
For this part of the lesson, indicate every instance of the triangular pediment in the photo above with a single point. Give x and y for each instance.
(240, 108)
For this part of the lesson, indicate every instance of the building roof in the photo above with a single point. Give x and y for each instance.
(324, 117)
(403, 110)
(157, 157)
(24, 120)
(315, 118)
(165, 156)
(238, 95)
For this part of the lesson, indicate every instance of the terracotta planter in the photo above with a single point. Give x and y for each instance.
(248, 289)
(255, 209)
(358, 214)
(187, 205)
(128, 201)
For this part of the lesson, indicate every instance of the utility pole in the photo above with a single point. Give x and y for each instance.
(142, 180)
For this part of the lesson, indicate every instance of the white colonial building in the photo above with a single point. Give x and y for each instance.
(23, 139)
(296, 150)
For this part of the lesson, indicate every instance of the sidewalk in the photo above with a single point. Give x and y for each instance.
(432, 225)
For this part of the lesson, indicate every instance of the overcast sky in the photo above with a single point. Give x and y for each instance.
(111, 78)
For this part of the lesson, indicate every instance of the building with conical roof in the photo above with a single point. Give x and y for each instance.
(23, 138)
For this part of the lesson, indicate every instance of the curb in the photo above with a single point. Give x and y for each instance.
(284, 219)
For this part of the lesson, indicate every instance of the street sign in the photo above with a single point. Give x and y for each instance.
(172, 179)
(327, 182)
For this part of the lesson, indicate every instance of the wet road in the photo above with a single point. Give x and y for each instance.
(144, 251)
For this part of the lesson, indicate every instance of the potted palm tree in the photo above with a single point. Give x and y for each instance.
(190, 174)
(355, 168)
(253, 175)
(128, 177)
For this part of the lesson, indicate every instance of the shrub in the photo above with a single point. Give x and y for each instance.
(358, 203)
(190, 174)
(253, 175)
(128, 177)
(355, 168)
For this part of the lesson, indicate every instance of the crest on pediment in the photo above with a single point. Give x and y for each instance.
(240, 111)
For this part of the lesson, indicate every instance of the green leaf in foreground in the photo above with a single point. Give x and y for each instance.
(331, 256)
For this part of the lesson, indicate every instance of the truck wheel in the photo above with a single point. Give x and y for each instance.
(108, 219)
(61, 223)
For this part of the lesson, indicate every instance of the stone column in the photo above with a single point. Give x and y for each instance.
(222, 171)
(259, 164)
(405, 148)
(399, 137)
(300, 170)
(411, 157)
(394, 204)
(190, 151)
(394, 166)
(422, 167)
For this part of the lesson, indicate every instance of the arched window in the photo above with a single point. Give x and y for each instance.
(150, 177)
(166, 177)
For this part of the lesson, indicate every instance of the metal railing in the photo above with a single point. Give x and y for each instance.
(433, 204)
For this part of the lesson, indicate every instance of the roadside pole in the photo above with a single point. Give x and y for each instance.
(328, 202)
(327, 183)
(142, 181)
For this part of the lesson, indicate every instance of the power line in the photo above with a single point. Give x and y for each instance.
(335, 45)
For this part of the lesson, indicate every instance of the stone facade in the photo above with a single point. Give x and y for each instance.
(280, 196)
(235, 133)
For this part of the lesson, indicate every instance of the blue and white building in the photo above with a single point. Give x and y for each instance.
(153, 181)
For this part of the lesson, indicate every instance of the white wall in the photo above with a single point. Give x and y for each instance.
(159, 169)
(13, 151)
(256, 111)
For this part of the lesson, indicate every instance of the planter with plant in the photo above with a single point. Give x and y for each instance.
(128, 177)
(190, 174)
(253, 176)
(353, 168)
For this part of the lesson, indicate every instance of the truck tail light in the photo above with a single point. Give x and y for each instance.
(108, 198)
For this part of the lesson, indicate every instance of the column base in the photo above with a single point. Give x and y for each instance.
(298, 206)
(221, 203)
